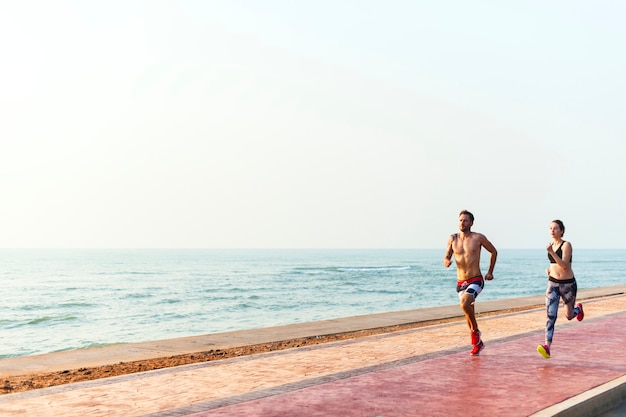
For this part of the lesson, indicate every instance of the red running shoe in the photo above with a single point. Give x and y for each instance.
(477, 348)
(581, 314)
(475, 337)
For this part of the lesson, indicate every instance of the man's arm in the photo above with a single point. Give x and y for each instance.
(447, 258)
(492, 260)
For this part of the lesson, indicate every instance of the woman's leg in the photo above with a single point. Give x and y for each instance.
(568, 293)
(553, 296)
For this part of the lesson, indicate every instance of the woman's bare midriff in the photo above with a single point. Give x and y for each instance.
(557, 272)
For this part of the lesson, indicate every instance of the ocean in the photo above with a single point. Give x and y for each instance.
(61, 299)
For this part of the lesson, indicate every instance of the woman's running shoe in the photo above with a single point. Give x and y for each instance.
(581, 314)
(544, 351)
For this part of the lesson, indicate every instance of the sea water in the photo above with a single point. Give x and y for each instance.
(55, 300)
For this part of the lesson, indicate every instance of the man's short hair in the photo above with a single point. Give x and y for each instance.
(471, 216)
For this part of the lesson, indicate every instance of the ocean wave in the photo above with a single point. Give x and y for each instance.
(137, 295)
(76, 305)
(375, 269)
(381, 292)
(35, 307)
(89, 345)
(115, 273)
(310, 271)
(46, 319)
(331, 269)
(53, 307)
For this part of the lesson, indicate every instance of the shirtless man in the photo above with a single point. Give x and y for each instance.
(466, 247)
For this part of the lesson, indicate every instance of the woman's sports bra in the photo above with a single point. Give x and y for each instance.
(559, 252)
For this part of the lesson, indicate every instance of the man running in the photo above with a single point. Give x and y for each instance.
(466, 247)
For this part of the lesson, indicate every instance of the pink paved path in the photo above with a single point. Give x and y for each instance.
(509, 378)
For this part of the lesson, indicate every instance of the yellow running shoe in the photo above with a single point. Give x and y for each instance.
(544, 351)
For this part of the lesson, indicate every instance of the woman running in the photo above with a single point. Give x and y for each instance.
(561, 283)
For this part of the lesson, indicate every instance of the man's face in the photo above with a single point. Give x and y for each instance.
(465, 223)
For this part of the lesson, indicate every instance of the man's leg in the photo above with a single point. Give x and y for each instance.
(467, 305)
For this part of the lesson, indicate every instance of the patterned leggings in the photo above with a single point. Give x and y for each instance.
(566, 290)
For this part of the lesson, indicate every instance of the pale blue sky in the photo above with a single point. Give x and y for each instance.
(311, 124)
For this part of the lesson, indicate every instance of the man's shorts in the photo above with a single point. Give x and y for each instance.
(472, 286)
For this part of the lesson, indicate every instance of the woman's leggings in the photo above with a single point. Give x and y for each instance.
(557, 289)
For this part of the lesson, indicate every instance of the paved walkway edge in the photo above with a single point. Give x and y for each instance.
(591, 403)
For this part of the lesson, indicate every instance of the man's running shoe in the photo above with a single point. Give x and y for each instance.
(475, 337)
(544, 351)
(477, 348)
(581, 314)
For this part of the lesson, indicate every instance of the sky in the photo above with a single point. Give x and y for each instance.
(319, 124)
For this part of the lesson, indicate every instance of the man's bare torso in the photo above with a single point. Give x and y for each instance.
(466, 248)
